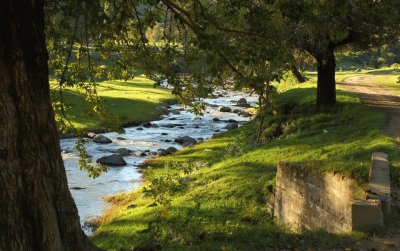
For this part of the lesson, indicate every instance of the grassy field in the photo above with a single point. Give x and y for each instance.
(134, 101)
(213, 196)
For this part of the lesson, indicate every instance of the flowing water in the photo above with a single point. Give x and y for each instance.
(88, 193)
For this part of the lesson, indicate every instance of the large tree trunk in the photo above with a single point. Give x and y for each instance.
(37, 211)
(326, 86)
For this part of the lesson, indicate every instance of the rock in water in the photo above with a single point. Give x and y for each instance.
(161, 152)
(242, 102)
(147, 124)
(186, 140)
(231, 125)
(171, 150)
(225, 109)
(102, 139)
(112, 160)
(123, 152)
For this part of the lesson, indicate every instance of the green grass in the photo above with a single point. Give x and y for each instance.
(129, 102)
(224, 206)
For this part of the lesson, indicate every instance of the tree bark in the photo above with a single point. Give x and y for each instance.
(37, 211)
(300, 78)
(326, 85)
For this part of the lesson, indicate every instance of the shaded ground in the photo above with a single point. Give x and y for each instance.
(387, 100)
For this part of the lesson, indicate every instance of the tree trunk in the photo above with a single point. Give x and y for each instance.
(37, 211)
(326, 86)
(300, 78)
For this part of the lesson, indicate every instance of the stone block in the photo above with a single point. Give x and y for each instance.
(379, 180)
(366, 214)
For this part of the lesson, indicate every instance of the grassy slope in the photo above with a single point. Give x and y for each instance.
(224, 205)
(133, 101)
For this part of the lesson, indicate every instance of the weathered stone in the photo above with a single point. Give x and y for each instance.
(123, 151)
(113, 160)
(232, 121)
(236, 111)
(242, 102)
(225, 109)
(175, 112)
(164, 133)
(231, 125)
(139, 129)
(308, 199)
(121, 138)
(366, 215)
(216, 119)
(379, 180)
(102, 139)
(185, 140)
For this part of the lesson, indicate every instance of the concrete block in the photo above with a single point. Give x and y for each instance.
(366, 214)
(379, 180)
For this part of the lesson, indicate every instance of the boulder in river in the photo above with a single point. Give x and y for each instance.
(236, 111)
(147, 125)
(216, 119)
(225, 109)
(175, 112)
(102, 139)
(242, 102)
(231, 125)
(77, 188)
(171, 150)
(139, 128)
(123, 151)
(121, 138)
(162, 152)
(186, 140)
(112, 160)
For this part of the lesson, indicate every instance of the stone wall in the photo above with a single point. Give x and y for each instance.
(307, 199)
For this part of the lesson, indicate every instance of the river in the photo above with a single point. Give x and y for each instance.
(88, 193)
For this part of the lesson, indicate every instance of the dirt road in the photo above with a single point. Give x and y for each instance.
(381, 98)
(385, 100)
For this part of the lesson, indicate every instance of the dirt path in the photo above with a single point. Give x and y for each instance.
(381, 98)
(385, 100)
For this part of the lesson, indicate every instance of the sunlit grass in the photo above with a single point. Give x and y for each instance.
(224, 206)
(133, 101)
